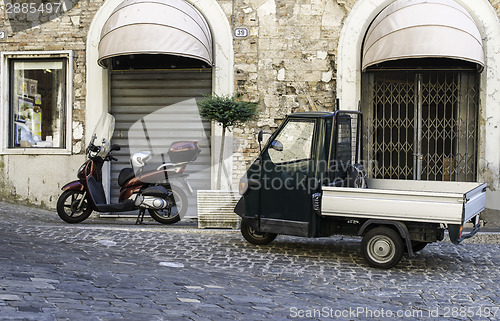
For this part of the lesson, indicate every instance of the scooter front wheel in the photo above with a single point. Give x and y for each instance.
(72, 207)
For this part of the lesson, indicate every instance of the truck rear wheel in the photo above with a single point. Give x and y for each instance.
(382, 247)
(254, 237)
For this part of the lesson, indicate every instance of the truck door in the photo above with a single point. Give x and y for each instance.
(287, 168)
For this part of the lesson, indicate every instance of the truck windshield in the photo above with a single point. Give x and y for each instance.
(295, 141)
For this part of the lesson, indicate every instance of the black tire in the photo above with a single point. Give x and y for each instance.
(176, 209)
(418, 246)
(382, 247)
(68, 209)
(255, 237)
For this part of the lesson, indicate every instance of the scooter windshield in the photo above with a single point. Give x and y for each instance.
(102, 134)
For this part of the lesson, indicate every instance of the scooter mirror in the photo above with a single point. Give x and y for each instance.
(260, 136)
(115, 147)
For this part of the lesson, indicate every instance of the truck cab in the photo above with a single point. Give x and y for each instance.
(309, 150)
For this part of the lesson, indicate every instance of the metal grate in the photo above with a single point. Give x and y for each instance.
(421, 124)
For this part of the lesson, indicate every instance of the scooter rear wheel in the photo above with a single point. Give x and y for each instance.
(175, 211)
(69, 208)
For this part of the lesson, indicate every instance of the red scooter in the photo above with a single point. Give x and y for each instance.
(139, 189)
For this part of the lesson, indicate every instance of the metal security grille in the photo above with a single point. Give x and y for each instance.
(421, 124)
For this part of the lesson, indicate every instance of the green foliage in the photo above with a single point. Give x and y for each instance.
(227, 110)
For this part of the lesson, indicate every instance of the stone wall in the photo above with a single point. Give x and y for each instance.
(287, 63)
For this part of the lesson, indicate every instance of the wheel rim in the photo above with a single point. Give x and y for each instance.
(256, 234)
(172, 208)
(168, 212)
(71, 205)
(381, 249)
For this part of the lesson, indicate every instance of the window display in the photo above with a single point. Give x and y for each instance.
(38, 103)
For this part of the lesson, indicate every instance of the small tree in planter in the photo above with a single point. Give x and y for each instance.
(228, 111)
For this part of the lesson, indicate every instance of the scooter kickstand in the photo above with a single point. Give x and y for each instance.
(140, 217)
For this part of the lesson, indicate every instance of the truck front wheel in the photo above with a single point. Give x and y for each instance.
(254, 237)
(382, 247)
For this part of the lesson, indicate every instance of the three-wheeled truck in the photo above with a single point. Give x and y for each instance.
(309, 180)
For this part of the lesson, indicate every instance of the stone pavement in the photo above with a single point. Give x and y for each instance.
(114, 270)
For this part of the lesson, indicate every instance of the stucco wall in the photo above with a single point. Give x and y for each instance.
(36, 179)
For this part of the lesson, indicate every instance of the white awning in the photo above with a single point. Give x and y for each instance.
(422, 29)
(172, 27)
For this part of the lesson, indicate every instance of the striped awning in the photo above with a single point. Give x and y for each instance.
(422, 29)
(172, 27)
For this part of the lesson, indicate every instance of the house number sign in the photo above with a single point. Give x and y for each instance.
(2, 35)
(241, 32)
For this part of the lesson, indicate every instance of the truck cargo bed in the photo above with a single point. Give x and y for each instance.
(407, 200)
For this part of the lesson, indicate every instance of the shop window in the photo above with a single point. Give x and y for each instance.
(38, 107)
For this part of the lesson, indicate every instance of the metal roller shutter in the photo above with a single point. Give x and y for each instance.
(164, 102)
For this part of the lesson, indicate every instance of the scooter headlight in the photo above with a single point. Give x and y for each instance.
(82, 168)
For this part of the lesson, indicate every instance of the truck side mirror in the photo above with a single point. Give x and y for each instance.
(277, 145)
(260, 136)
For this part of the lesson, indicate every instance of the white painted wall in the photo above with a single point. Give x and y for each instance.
(38, 179)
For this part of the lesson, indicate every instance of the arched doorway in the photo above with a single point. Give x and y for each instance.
(103, 83)
(420, 92)
(159, 55)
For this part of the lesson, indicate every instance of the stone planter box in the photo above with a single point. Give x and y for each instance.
(216, 209)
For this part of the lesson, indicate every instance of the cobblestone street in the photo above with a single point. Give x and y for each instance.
(108, 270)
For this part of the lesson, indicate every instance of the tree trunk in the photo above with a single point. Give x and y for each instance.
(221, 157)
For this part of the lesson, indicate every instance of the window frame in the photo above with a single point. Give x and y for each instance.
(5, 103)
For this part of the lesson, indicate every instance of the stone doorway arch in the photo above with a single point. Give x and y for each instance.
(349, 76)
(97, 78)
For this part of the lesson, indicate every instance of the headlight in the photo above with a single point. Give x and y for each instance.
(82, 168)
(243, 186)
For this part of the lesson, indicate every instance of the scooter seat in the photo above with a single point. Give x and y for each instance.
(125, 175)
